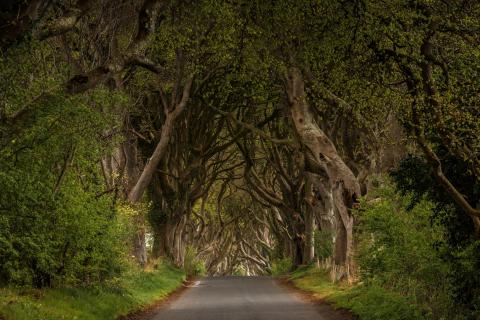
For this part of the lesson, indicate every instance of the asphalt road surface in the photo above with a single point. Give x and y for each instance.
(238, 298)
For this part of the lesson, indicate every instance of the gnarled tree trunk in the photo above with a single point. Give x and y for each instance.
(309, 250)
(323, 160)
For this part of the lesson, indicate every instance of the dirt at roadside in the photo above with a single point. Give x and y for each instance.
(325, 309)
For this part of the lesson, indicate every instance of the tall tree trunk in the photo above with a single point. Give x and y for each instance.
(322, 159)
(131, 171)
(178, 243)
(136, 190)
(159, 237)
(298, 250)
(309, 251)
(169, 239)
(139, 241)
(309, 219)
(340, 243)
(166, 132)
(343, 204)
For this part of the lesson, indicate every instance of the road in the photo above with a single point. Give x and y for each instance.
(238, 298)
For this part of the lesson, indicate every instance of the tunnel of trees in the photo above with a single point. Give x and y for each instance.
(234, 133)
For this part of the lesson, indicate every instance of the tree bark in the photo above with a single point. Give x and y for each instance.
(140, 243)
(298, 250)
(166, 133)
(309, 251)
(159, 243)
(323, 160)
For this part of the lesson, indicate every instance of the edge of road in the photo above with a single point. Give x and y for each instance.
(150, 310)
(325, 308)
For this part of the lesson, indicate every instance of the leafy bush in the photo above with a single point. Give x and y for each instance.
(192, 265)
(57, 225)
(397, 252)
(375, 303)
(323, 241)
(281, 267)
(369, 302)
(239, 270)
(118, 296)
(54, 228)
(460, 248)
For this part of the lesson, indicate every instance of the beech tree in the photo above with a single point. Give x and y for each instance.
(231, 131)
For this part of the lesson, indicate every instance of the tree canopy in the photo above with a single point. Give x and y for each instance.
(232, 134)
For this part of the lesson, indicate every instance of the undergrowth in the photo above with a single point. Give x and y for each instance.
(368, 302)
(117, 297)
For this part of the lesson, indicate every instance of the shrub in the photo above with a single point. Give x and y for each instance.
(460, 248)
(192, 265)
(57, 225)
(323, 241)
(281, 267)
(239, 270)
(397, 252)
(375, 303)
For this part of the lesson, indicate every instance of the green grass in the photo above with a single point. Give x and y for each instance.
(133, 291)
(368, 302)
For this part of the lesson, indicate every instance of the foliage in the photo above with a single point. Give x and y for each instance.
(56, 225)
(413, 177)
(53, 225)
(323, 244)
(239, 270)
(192, 265)
(367, 66)
(458, 250)
(281, 267)
(376, 303)
(368, 302)
(397, 252)
(119, 296)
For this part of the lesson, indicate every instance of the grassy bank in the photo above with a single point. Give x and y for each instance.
(133, 291)
(368, 302)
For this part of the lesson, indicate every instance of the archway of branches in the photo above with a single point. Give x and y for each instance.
(244, 128)
(245, 183)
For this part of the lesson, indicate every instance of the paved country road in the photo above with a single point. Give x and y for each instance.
(238, 298)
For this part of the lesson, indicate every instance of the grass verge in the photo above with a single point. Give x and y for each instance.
(367, 302)
(134, 291)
